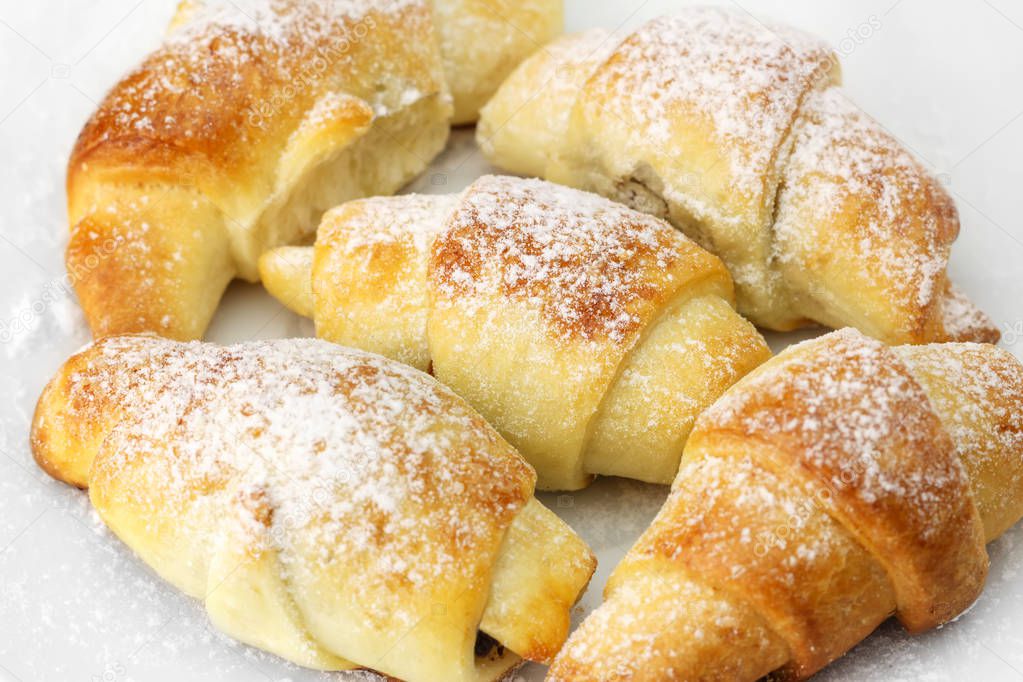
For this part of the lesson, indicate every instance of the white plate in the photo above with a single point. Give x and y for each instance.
(944, 77)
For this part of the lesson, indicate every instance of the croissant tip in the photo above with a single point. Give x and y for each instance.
(963, 321)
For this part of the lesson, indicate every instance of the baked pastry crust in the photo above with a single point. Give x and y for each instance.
(839, 483)
(589, 334)
(737, 132)
(333, 507)
(252, 119)
(482, 41)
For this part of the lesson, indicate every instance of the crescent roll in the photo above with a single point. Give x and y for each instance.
(328, 505)
(589, 334)
(840, 483)
(737, 133)
(253, 118)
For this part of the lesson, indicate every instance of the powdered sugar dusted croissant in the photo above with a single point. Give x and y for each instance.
(737, 133)
(839, 483)
(331, 506)
(253, 118)
(589, 334)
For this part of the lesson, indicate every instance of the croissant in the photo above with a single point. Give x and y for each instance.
(737, 133)
(333, 507)
(589, 334)
(252, 119)
(837, 484)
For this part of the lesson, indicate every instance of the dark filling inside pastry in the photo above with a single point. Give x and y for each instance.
(487, 646)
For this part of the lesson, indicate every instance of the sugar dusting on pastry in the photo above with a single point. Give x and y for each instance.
(983, 373)
(736, 130)
(742, 77)
(219, 113)
(236, 60)
(690, 117)
(591, 265)
(975, 388)
(845, 414)
(845, 410)
(321, 453)
(412, 218)
(757, 546)
(631, 321)
(962, 320)
(845, 162)
(733, 532)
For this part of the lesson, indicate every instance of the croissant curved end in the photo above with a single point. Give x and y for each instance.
(63, 447)
(286, 273)
(962, 320)
(523, 126)
(638, 630)
(509, 32)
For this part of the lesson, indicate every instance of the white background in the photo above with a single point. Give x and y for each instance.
(945, 77)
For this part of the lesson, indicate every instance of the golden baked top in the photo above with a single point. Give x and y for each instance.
(847, 415)
(233, 81)
(594, 268)
(719, 71)
(736, 131)
(372, 462)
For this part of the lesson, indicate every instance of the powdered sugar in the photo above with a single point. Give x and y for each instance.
(961, 319)
(284, 22)
(232, 74)
(736, 131)
(847, 402)
(845, 414)
(337, 459)
(766, 538)
(978, 392)
(386, 220)
(727, 70)
(843, 161)
(586, 261)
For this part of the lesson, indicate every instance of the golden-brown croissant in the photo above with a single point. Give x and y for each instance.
(840, 483)
(589, 334)
(737, 133)
(253, 118)
(328, 505)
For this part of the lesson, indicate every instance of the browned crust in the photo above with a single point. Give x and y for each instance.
(135, 271)
(92, 410)
(860, 179)
(189, 146)
(640, 262)
(926, 529)
(203, 100)
(837, 485)
(843, 420)
(81, 404)
(864, 231)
